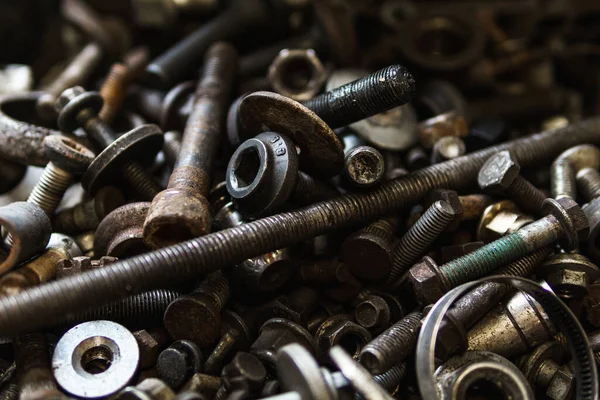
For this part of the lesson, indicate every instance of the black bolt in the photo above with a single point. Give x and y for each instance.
(178, 362)
(40, 306)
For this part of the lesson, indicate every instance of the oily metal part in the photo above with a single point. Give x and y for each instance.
(587, 384)
(21, 140)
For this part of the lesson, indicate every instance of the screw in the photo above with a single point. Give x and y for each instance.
(368, 252)
(373, 313)
(568, 166)
(588, 181)
(236, 334)
(364, 166)
(66, 158)
(179, 61)
(412, 245)
(447, 148)
(42, 305)
(178, 362)
(276, 333)
(542, 368)
(11, 391)
(117, 81)
(500, 175)
(565, 222)
(390, 379)
(393, 345)
(76, 73)
(172, 146)
(245, 367)
(78, 108)
(87, 215)
(375, 93)
(182, 212)
(203, 304)
(204, 384)
(42, 268)
(35, 377)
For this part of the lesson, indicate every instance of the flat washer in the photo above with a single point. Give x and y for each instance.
(140, 144)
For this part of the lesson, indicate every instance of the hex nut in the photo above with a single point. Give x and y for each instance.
(341, 330)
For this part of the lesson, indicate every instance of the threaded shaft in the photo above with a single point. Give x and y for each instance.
(527, 196)
(375, 93)
(562, 179)
(113, 92)
(223, 349)
(588, 181)
(40, 306)
(319, 272)
(171, 146)
(309, 190)
(393, 345)
(412, 245)
(383, 228)
(142, 310)
(215, 286)
(484, 260)
(390, 379)
(51, 187)
(10, 392)
(33, 364)
(525, 266)
(142, 183)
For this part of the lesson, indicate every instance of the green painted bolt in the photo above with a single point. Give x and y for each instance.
(565, 222)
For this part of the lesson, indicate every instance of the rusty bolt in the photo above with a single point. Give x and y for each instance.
(178, 362)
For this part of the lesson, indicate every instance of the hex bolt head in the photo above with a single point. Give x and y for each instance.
(177, 363)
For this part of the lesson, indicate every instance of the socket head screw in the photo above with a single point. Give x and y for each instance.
(321, 151)
(498, 172)
(364, 166)
(67, 154)
(177, 363)
(262, 173)
(571, 218)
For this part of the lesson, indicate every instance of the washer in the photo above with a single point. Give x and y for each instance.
(95, 359)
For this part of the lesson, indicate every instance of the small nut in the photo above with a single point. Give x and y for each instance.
(340, 330)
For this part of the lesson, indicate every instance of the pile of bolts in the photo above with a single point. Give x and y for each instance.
(299, 199)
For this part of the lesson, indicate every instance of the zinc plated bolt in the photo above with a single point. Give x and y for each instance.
(500, 175)
(564, 223)
(203, 304)
(79, 109)
(182, 211)
(418, 238)
(41, 306)
(393, 345)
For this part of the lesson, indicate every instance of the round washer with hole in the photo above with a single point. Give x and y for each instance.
(95, 359)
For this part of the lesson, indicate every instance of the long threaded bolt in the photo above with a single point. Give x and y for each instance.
(368, 252)
(43, 305)
(390, 379)
(204, 304)
(393, 345)
(182, 211)
(34, 373)
(373, 94)
(500, 175)
(87, 106)
(412, 245)
(565, 222)
(80, 68)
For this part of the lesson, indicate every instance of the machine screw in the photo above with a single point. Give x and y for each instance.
(203, 304)
(182, 212)
(375, 93)
(178, 362)
(412, 245)
(391, 378)
(276, 333)
(393, 345)
(123, 156)
(565, 222)
(41, 306)
(373, 313)
(500, 175)
(236, 335)
(364, 166)
(368, 252)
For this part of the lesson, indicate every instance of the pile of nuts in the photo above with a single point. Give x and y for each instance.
(299, 199)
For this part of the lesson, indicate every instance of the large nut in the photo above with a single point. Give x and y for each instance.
(340, 330)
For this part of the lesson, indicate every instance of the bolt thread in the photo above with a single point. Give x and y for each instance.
(309, 190)
(375, 93)
(141, 182)
(216, 287)
(40, 306)
(10, 392)
(113, 92)
(390, 379)
(412, 245)
(525, 266)
(51, 187)
(319, 272)
(171, 146)
(223, 349)
(483, 261)
(141, 310)
(562, 180)
(33, 364)
(527, 196)
(588, 181)
(393, 345)
(383, 228)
